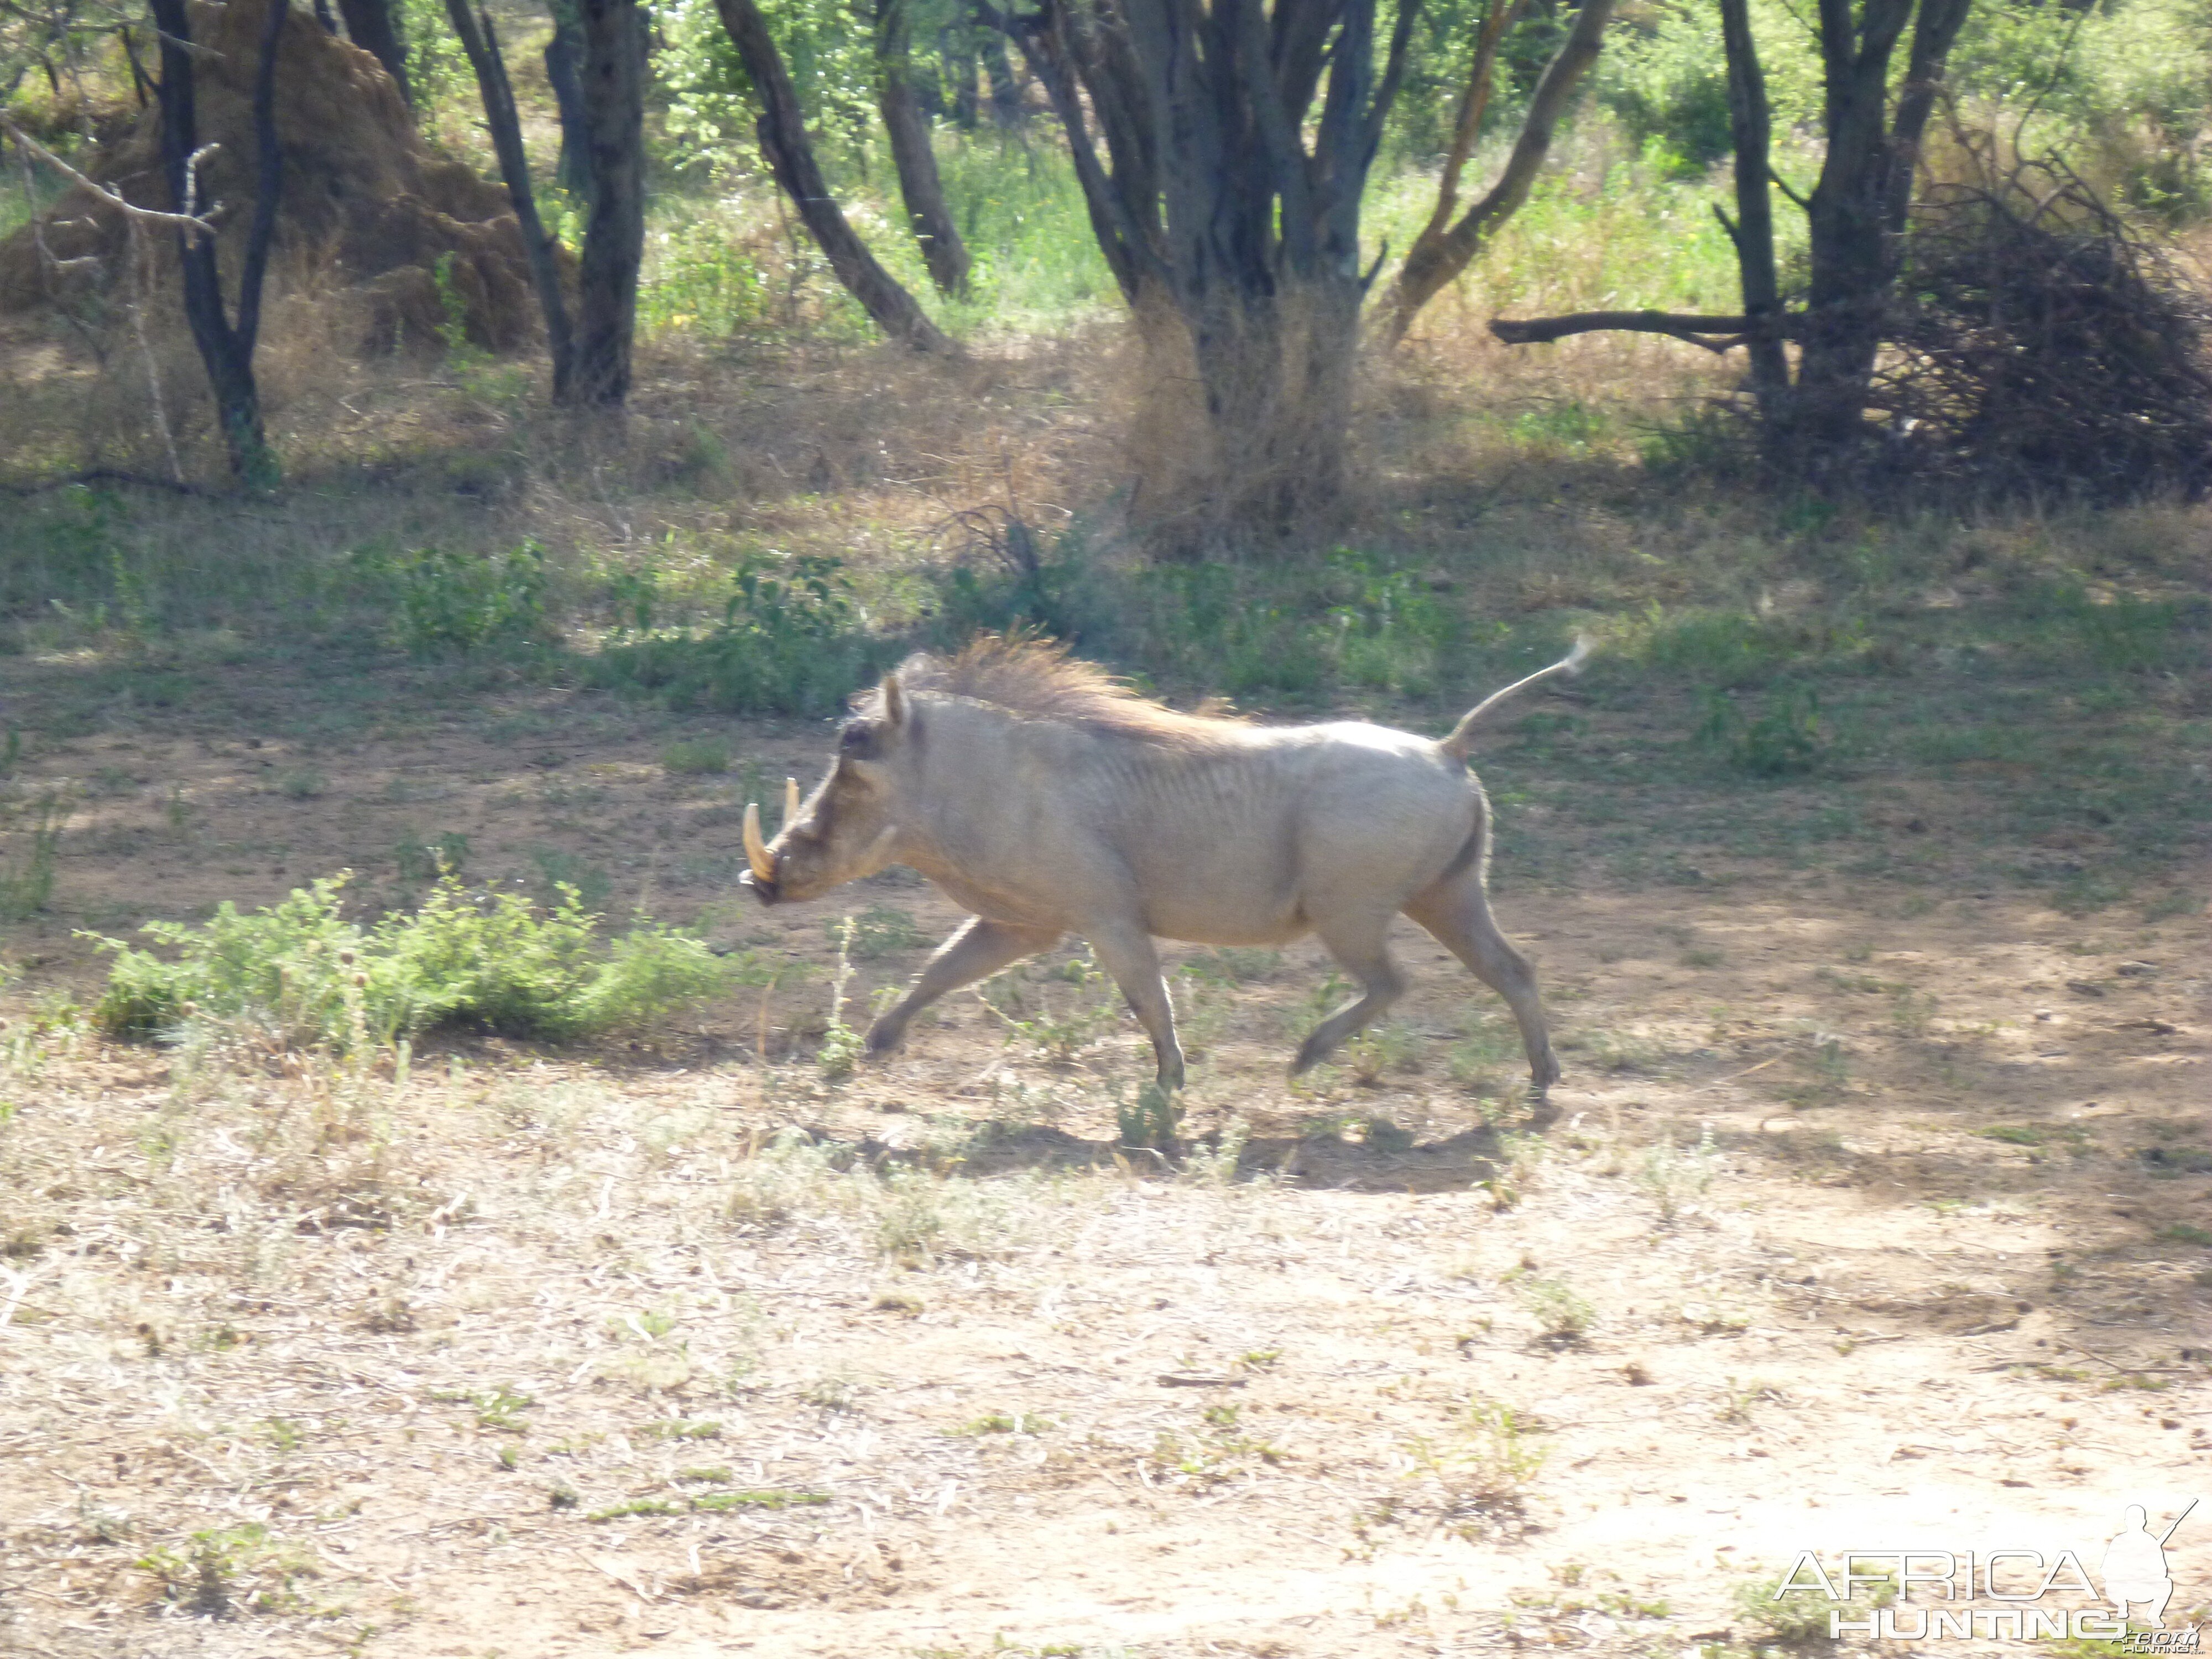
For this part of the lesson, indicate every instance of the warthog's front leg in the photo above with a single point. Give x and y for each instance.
(1126, 951)
(977, 951)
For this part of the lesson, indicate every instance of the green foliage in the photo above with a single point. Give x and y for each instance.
(841, 1046)
(27, 875)
(1563, 1313)
(2064, 626)
(445, 854)
(558, 870)
(1664, 79)
(454, 310)
(700, 280)
(443, 603)
(1058, 1026)
(696, 756)
(300, 970)
(1150, 1120)
(1783, 738)
(1353, 619)
(1675, 1176)
(1730, 649)
(438, 70)
(711, 106)
(1485, 1457)
(881, 930)
(2122, 89)
(790, 640)
(1794, 1616)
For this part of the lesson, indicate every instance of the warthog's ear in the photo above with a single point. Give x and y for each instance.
(894, 702)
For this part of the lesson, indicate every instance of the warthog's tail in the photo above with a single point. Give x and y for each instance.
(1462, 735)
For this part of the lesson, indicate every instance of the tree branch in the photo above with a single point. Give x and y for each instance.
(204, 223)
(1713, 333)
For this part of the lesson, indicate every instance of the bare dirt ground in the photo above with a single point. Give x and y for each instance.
(1871, 1217)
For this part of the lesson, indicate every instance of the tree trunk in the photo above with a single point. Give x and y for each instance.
(226, 348)
(371, 26)
(1851, 258)
(1437, 255)
(1223, 147)
(1750, 131)
(481, 42)
(1276, 375)
(907, 127)
(1005, 89)
(564, 73)
(1856, 218)
(784, 144)
(956, 46)
(614, 235)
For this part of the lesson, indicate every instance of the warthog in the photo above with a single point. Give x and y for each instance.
(1047, 798)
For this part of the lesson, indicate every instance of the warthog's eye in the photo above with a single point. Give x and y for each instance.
(857, 739)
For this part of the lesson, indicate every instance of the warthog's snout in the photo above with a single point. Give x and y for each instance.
(764, 890)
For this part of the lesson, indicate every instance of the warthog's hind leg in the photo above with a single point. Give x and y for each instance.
(1359, 943)
(1458, 912)
(978, 950)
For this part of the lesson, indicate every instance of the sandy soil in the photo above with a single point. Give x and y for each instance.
(530, 1353)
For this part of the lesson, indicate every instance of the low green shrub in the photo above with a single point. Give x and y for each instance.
(444, 603)
(790, 640)
(489, 959)
(1783, 738)
(1353, 619)
(696, 755)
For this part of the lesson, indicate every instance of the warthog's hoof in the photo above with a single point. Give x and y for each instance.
(882, 1038)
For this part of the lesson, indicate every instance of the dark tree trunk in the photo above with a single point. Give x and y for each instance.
(1438, 254)
(226, 346)
(907, 127)
(614, 235)
(481, 42)
(998, 71)
(1223, 178)
(784, 144)
(1750, 131)
(1856, 218)
(371, 25)
(564, 73)
(956, 46)
(1857, 215)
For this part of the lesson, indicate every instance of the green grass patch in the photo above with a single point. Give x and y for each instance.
(710, 1501)
(489, 959)
(696, 756)
(790, 640)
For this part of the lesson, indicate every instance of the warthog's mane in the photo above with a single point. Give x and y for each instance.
(1037, 679)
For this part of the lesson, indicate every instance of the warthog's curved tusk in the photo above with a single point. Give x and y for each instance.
(757, 853)
(790, 800)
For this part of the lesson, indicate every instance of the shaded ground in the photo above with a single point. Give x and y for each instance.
(1874, 1216)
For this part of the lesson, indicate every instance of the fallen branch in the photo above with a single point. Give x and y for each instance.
(204, 223)
(98, 475)
(1713, 333)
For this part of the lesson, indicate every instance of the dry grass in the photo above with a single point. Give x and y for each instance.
(520, 1351)
(678, 1341)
